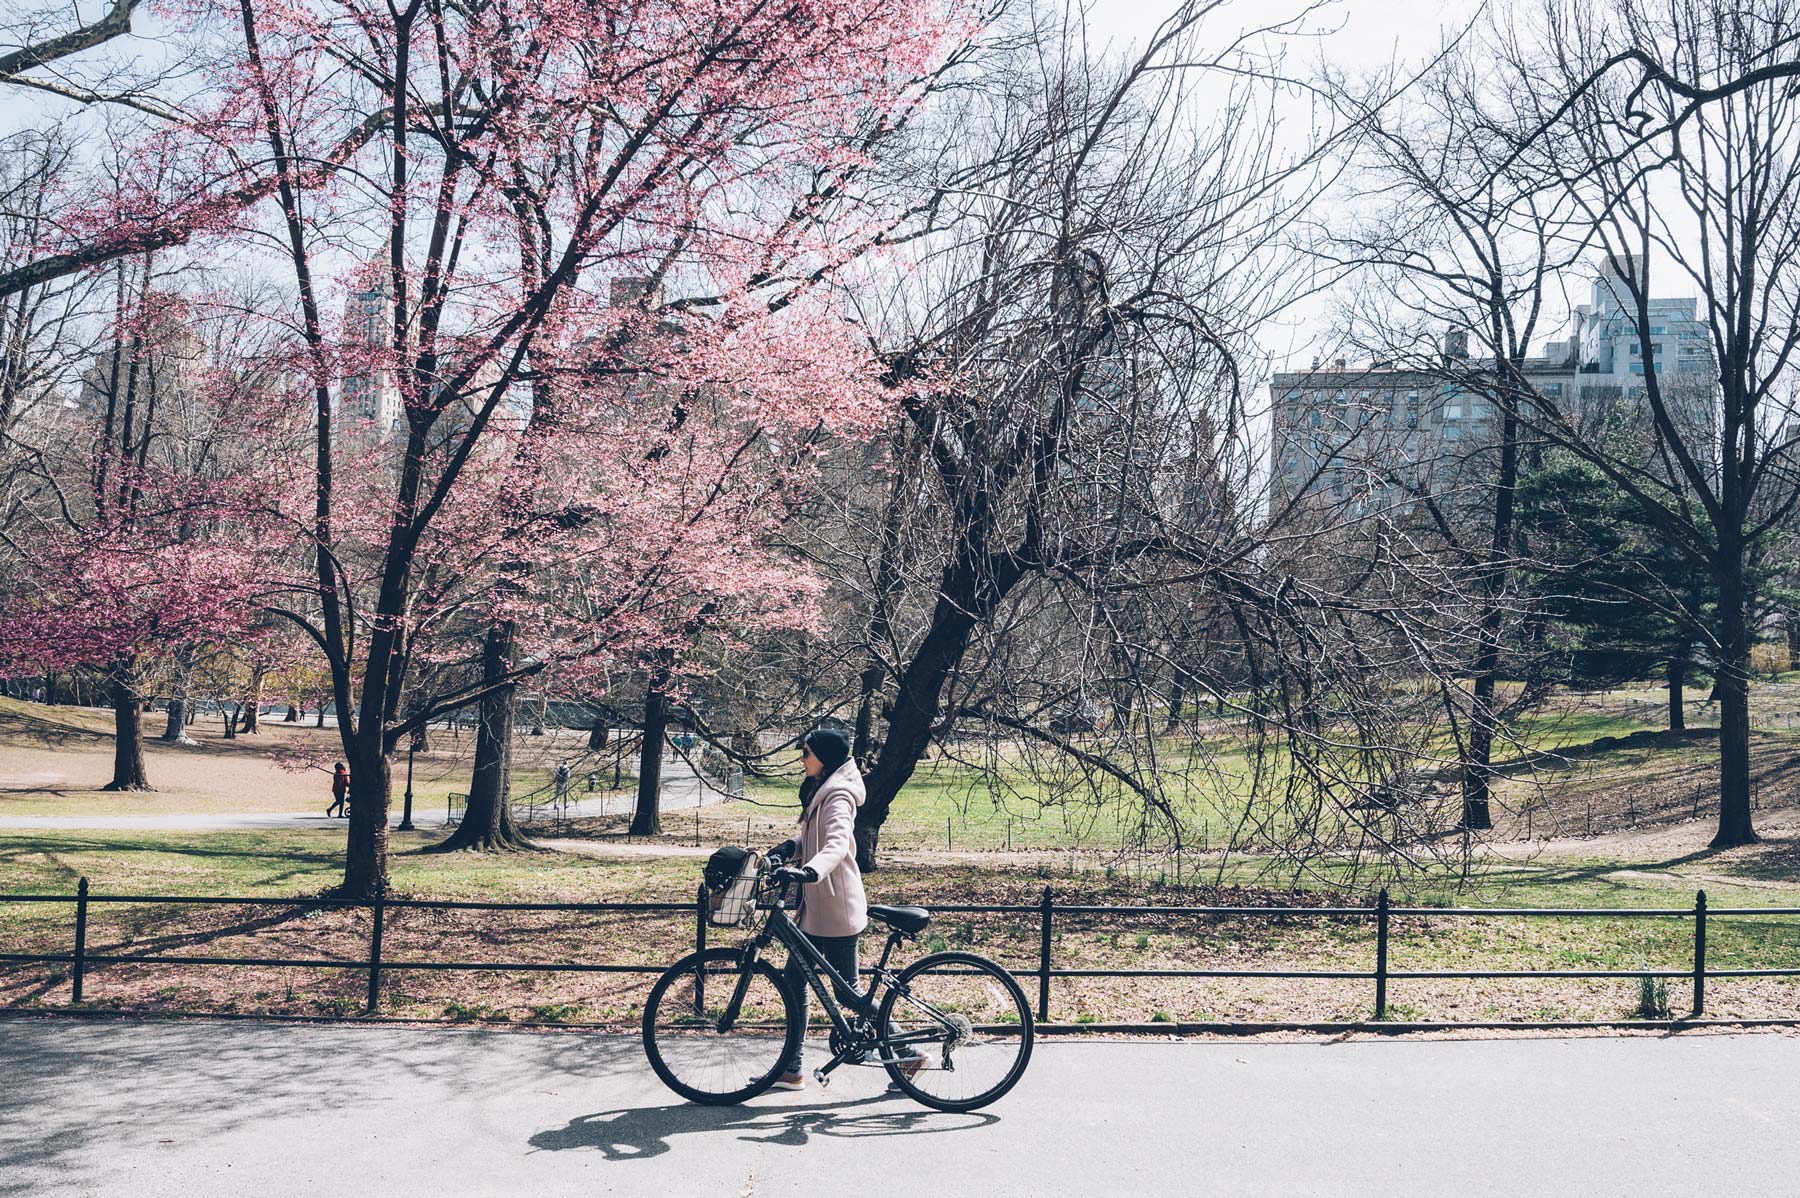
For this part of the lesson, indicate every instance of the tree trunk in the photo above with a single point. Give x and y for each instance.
(1478, 766)
(597, 734)
(176, 729)
(366, 838)
(292, 716)
(253, 705)
(231, 720)
(128, 730)
(1677, 702)
(1733, 687)
(971, 588)
(1478, 769)
(319, 719)
(646, 819)
(487, 824)
(863, 737)
(179, 703)
(50, 688)
(1177, 700)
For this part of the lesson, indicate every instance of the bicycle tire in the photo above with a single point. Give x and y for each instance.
(669, 1037)
(970, 965)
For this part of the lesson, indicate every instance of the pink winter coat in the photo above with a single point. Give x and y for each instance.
(834, 905)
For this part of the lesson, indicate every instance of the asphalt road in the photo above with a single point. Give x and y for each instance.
(682, 789)
(200, 1108)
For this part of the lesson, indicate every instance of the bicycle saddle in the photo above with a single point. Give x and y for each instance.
(907, 919)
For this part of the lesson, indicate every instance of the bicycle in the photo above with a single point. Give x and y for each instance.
(953, 1029)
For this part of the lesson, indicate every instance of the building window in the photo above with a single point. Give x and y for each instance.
(1318, 420)
(1452, 433)
(1453, 412)
(1412, 420)
(1478, 411)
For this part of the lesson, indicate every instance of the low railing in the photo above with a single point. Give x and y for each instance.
(1046, 909)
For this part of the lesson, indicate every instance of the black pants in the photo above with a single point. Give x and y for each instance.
(841, 952)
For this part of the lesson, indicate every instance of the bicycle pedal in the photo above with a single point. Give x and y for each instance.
(823, 1078)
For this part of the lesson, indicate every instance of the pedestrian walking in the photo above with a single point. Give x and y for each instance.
(562, 789)
(833, 910)
(340, 793)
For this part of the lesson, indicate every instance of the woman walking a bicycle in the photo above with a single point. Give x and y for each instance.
(953, 1030)
(834, 909)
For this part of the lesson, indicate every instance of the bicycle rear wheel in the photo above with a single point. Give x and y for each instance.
(681, 1028)
(969, 1021)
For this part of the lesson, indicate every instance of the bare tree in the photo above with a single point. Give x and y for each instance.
(1678, 174)
(1067, 530)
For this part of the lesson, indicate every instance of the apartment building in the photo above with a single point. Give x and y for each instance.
(1384, 435)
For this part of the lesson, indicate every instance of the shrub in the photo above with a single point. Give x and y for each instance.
(1653, 998)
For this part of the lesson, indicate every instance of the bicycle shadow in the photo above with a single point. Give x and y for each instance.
(639, 1133)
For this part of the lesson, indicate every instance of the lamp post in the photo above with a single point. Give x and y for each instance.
(406, 824)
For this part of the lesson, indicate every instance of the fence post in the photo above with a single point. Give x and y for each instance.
(1044, 958)
(1699, 953)
(375, 945)
(1381, 941)
(81, 895)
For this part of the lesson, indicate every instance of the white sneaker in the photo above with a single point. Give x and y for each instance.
(790, 1081)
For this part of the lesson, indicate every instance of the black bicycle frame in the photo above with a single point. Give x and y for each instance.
(812, 964)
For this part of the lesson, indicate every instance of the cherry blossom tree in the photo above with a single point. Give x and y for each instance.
(144, 511)
(496, 167)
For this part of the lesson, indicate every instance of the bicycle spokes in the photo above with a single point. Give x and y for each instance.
(957, 1032)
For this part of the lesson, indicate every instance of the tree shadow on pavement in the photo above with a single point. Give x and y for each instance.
(640, 1133)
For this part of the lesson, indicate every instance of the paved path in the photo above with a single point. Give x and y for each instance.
(196, 1108)
(683, 789)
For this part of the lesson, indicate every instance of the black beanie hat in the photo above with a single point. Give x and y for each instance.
(830, 746)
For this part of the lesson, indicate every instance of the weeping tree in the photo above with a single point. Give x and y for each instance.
(1070, 519)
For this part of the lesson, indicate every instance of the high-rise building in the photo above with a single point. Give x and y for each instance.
(369, 409)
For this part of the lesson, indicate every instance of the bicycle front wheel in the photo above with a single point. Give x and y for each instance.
(691, 1053)
(967, 1023)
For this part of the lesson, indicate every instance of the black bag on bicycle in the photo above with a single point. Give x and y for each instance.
(731, 886)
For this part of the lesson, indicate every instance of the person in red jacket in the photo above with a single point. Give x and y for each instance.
(340, 793)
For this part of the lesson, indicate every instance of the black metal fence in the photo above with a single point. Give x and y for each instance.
(1046, 909)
